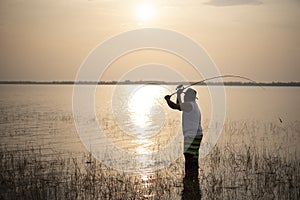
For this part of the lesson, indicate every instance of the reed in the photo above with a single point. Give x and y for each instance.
(248, 170)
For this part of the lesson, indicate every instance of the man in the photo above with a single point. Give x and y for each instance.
(192, 131)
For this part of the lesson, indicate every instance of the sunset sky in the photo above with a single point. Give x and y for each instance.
(49, 40)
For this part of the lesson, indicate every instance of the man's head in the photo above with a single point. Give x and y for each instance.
(190, 95)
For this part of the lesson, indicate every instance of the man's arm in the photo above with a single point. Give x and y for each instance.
(187, 107)
(171, 104)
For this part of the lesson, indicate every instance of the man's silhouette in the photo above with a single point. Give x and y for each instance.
(192, 132)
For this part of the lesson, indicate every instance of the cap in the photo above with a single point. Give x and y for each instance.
(191, 93)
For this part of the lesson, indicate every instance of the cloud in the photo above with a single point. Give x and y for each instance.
(233, 2)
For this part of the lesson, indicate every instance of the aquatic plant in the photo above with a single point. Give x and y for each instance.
(248, 169)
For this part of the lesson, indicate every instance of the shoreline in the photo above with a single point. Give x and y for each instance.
(260, 84)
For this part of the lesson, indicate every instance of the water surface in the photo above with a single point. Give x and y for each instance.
(135, 118)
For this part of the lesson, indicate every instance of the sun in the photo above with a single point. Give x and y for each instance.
(145, 11)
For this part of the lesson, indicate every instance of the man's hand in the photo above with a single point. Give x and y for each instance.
(167, 97)
(179, 91)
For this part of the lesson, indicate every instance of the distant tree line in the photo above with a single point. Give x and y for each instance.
(128, 82)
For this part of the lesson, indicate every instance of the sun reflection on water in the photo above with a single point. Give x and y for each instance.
(145, 108)
(143, 118)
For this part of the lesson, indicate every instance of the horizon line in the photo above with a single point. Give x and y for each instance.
(128, 82)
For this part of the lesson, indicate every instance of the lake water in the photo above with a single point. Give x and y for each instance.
(137, 122)
(134, 118)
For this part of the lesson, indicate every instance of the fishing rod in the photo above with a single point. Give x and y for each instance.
(215, 77)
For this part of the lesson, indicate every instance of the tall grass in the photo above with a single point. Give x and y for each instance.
(25, 175)
(249, 174)
(248, 170)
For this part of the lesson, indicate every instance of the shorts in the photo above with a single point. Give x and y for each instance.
(192, 145)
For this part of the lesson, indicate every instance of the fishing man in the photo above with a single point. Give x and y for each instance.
(191, 126)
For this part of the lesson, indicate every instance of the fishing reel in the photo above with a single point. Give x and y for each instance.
(180, 87)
